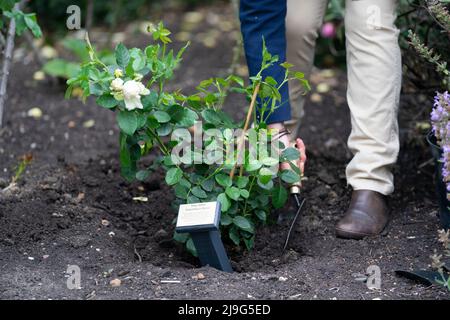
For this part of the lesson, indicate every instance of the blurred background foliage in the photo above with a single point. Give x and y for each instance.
(106, 13)
(112, 15)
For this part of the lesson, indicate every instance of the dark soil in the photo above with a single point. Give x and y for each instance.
(72, 207)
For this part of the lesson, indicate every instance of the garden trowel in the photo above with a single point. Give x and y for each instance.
(299, 201)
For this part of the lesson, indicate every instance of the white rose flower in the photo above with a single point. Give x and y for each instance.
(117, 85)
(132, 92)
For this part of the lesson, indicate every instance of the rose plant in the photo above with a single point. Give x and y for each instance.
(149, 116)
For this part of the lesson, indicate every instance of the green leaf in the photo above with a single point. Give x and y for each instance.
(180, 237)
(286, 65)
(265, 175)
(253, 166)
(271, 81)
(269, 161)
(224, 202)
(142, 120)
(7, 5)
(233, 192)
(208, 185)
(249, 243)
(193, 199)
(138, 62)
(150, 101)
(199, 192)
(77, 47)
(191, 247)
(162, 116)
(279, 196)
(61, 68)
(244, 193)
(173, 176)
(290, 154)
(181, 191)
(234, 235)
(289, 176)
(242, 181)
(107, 101)
(31, 22)
(225, 220)
(262, 215)
(266, 183)
(128, 122)
(183, 117)
(122, 55)
(142, 175)
(243, 223)
(165, 129)
(263, 200)
(128, 157)
(223, 180)
(211, 116)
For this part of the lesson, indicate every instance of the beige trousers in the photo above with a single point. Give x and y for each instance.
(374, 82)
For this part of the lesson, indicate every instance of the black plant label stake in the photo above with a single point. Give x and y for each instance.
(202, 220)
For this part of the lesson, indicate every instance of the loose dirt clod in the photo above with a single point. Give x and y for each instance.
(199, 276)
(115, 282)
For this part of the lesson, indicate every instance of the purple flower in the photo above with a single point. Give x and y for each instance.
(440, 122)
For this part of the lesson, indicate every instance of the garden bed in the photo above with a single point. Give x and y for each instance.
(73, 208)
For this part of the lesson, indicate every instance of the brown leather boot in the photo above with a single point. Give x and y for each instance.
(367, 215)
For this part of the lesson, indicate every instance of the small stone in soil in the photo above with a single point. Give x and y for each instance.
(331, 143)
(199, 276)
(359, 277)
(115, 282)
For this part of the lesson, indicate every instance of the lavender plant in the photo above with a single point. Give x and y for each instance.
(440, 117)
(440, 114)
(440, 13)
(437, 263)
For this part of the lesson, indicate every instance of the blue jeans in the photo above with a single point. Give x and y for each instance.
(266, 18)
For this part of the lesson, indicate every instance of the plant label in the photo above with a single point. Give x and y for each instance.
(201, 220)
(198, 217)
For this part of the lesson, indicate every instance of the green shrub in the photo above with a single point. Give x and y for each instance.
(151, 117)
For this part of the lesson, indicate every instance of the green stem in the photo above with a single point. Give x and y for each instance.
(249, 191)
(211, 175)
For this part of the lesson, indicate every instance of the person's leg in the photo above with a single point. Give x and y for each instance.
(374, 83)
(303, 21)
(266, 19)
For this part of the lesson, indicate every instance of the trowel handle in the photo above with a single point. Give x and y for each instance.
(295, 188)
